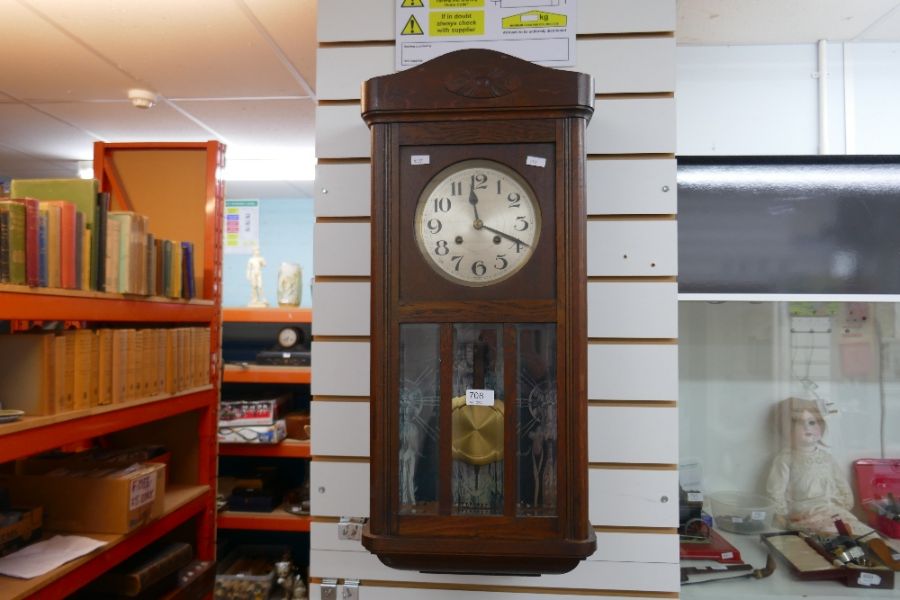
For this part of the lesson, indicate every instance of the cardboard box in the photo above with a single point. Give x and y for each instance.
(271, 434)
(95, 500)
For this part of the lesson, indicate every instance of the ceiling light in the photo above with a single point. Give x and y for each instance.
(85, 169)
(142, 98)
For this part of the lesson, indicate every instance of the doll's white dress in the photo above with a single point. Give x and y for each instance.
(810, 491)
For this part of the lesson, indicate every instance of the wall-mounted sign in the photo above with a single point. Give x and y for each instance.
(539, 31)
(241, 229)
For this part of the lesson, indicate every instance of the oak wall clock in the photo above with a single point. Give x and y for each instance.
(479, 391)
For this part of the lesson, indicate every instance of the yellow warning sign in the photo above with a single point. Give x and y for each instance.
(448, 23)
(534, 18)
(456, 4)
(412, 27)
(412, 4)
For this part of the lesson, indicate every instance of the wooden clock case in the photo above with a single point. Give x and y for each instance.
(486, 105)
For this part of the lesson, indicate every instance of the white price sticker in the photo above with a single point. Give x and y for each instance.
(727, 555)
(535, 161)
(420, 159)
(758, 515)
(868, 579)
(479, 397)
(695, 496)
(737, 519)
(143, 491)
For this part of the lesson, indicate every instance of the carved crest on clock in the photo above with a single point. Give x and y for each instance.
(482, 82)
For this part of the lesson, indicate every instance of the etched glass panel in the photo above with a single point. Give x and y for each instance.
(477, 420)
(419, 413)
(537, 422)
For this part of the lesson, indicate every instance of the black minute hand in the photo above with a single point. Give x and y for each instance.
(506, 235)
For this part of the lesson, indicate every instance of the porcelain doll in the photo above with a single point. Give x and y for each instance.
(807, 484)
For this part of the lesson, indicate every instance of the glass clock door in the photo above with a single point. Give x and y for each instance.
(477, 420)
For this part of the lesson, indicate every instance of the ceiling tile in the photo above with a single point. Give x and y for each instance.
(200, 48)
(292, 26)
(776, 21)
(121, 122)
(40, 62)
(885, 30)
(38, 135)
(259, 128)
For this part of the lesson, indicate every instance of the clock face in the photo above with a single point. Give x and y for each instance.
(287, 337)
(477, 222)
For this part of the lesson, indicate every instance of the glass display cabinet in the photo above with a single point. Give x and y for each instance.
(789, 353)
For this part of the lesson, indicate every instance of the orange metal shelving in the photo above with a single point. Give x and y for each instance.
(266, 374)
(31, 435)
(267, 315)
(277, 520)
(181, 503)
(286, 449)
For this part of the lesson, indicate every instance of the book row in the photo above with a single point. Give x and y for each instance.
(50, 373)
(60, 233)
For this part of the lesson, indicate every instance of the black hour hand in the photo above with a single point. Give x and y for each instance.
(473, 200)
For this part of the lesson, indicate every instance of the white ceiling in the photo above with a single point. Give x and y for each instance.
(243, 71)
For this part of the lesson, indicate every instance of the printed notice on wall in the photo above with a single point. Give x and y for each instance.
(241, 226)
(540, 31)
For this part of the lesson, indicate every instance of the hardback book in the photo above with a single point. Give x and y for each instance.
(167, 268)
(187, 270)
(141, 573)
(111, 261)
(54, 235)
(82, 193)
(60, 385)
(4, 246)
(68, 402)
(150, 269)
(32, 222)
(105, 379)
(86, 272)
(67, 243)
(79, 248)
(27, 359)
(177, 264)
(42, 248)
(14, 242)
(125, 220)
(81, 343)
(159, 263)
(98, 248)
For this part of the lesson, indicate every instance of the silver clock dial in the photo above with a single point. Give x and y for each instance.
(287, 337)
(477, 222)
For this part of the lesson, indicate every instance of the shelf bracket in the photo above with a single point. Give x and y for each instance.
(328, 589)
(350, 528)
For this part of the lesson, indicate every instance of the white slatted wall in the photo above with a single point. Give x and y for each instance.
(629, 49)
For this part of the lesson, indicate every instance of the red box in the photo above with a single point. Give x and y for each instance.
(875, 477)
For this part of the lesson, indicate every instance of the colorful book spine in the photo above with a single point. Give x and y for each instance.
(42, 248)
(98, 249)
(32, 223)
(187, 270)
(79, 248)
(4, 246)
(67, 244)
(54, 218)
(14, 241)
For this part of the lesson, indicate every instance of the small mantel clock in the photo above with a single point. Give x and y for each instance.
(478, 382)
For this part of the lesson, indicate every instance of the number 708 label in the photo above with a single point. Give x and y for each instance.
(479, 397)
